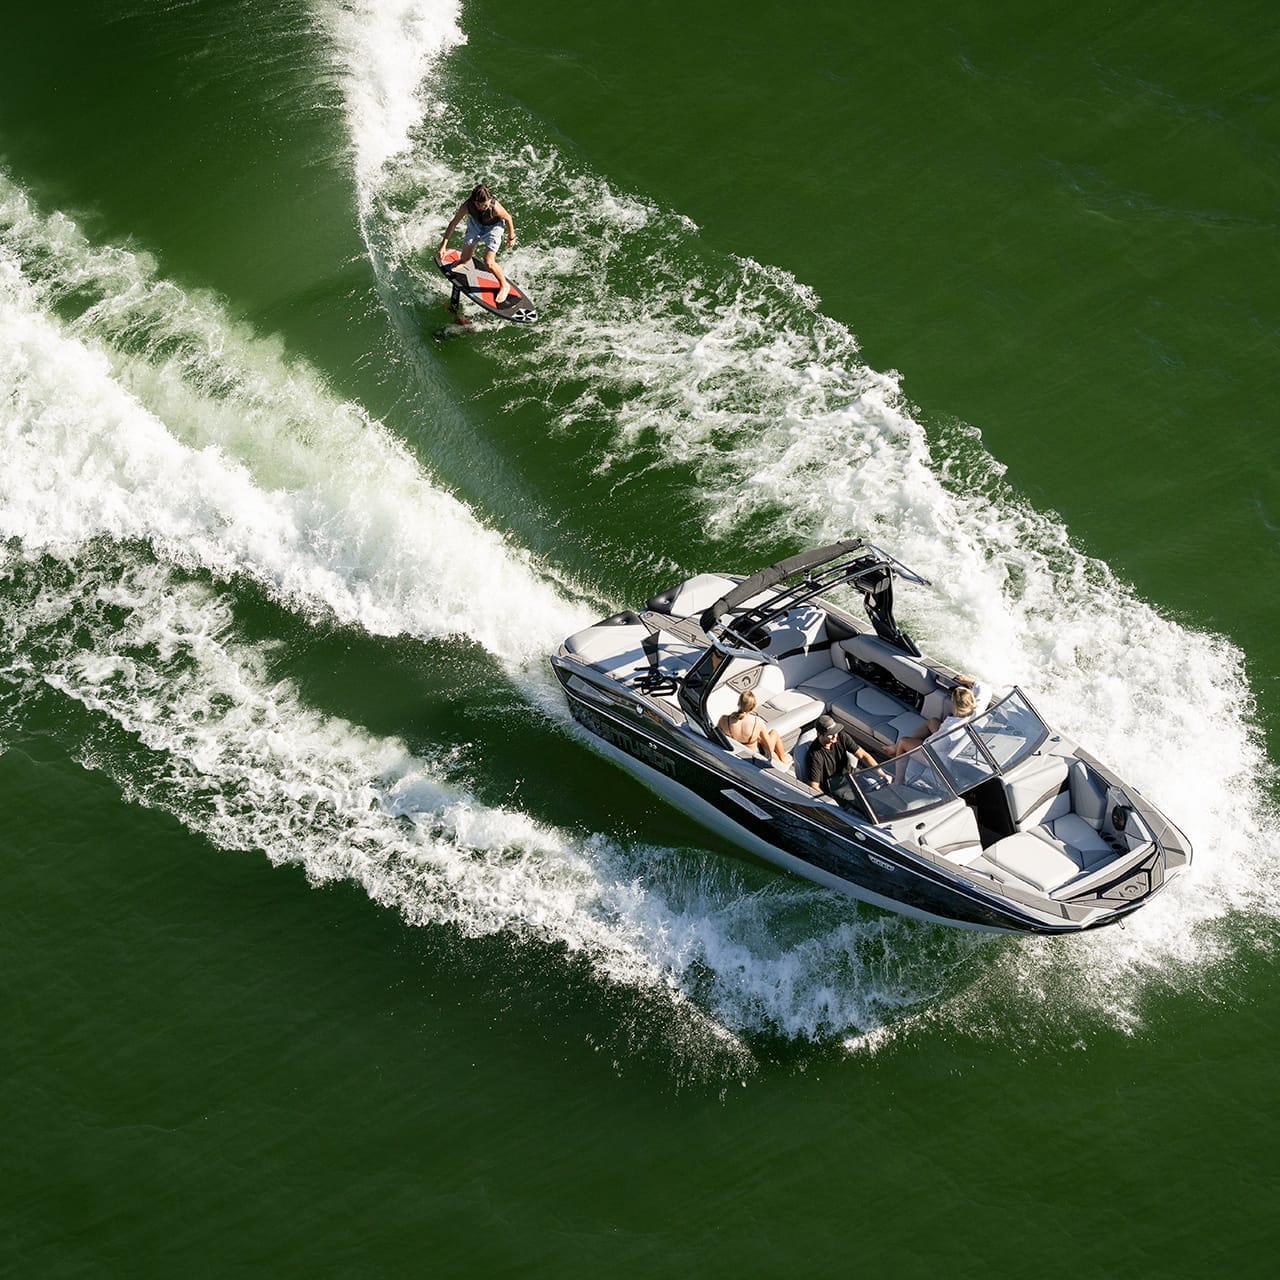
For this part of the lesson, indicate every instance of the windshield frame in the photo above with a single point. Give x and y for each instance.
(1014, 700)
(937, 761)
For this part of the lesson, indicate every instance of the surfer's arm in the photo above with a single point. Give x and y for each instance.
(511, 226)
(453, 226)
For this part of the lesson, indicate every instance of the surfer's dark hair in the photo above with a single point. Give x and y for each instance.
(481, 192)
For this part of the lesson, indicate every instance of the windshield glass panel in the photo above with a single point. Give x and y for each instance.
(960, 757)
(891, 790)
(1011, 730)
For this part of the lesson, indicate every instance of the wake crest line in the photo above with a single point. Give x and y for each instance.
(248, 465)
(127, 498)
(734, 370)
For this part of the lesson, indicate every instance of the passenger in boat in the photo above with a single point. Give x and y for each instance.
(968, 698)
(829, 754)
(746, 727)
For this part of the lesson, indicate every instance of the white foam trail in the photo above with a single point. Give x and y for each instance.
(205, 442)
(822, 447)
(189, 719)
(236, 755)
(730, 367)
(383, 50)
(145, 420)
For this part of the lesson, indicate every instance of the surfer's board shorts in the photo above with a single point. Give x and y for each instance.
(490, 237)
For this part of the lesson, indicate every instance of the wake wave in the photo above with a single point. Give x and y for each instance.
(155, 456)
(383, 51)
(222, 453)
(146, 438)
(729, 367)
(188, 718)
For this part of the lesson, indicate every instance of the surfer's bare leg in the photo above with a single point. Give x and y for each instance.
(491, 264)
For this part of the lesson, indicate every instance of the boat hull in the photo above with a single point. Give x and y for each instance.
(811, 841)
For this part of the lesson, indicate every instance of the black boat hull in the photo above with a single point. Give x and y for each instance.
(811, 841)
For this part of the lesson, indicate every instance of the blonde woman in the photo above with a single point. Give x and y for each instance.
(486, 219)
(746, 727)
(967, 698)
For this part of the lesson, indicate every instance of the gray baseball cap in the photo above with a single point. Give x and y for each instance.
(827, 725)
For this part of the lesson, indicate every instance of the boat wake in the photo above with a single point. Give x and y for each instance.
(708, 362)
(164, 469)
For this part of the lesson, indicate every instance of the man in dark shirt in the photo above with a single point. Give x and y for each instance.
(828, 755)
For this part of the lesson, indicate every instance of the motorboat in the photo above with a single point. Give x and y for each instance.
(1001, 823)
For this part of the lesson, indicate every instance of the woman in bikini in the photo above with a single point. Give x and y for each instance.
(746, 727)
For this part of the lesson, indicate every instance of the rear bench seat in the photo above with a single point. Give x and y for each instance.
(617, 649)
(614, 648)
(880, 716)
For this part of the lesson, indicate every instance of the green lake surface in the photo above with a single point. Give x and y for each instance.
(329, 947)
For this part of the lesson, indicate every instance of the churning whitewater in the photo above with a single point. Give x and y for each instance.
(730, 367)
(163, 460)
(159, 459)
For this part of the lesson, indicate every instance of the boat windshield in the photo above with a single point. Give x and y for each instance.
(960, 757)
(1010, 731)
(904, 785)
(949, 764)
(991, 743)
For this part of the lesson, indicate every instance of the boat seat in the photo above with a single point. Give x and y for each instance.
(797, 631)
(936, 705)
(1032, 789)
(800, 752)
(879, 715)
(827, 682)
(689, 598)
(906, 670)
(1088, 799)
(1082, 824)
(955, 836)
(762, 678)
(835, 687)
(789, 712)
(612, 649)
(1038, 860)
(807, 666)
(1077, 835)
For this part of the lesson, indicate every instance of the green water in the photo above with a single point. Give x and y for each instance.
(329, 949)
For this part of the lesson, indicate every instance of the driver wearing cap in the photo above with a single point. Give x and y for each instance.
(828, 755)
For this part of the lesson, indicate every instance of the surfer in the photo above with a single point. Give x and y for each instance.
(486, 219)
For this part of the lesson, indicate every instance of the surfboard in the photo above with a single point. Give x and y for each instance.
(481, 287)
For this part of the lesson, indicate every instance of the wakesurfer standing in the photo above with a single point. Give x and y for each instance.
(486, 219)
